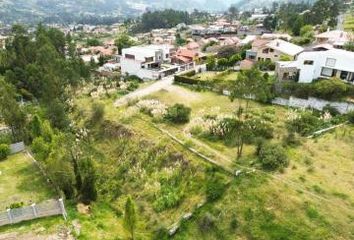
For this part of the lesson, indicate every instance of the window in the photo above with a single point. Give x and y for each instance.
(129, 56)
(266, 50)
(343, 75)
(271, 50)
(308, 62)
(327, 72)
(167, 55)
(149, 59)
(330, 62)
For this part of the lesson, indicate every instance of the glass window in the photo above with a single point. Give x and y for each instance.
(327, 72)
(343, 75)
(308, 62)
(330, 62)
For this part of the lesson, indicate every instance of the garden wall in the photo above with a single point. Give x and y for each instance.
(315, 103)
(44, 209)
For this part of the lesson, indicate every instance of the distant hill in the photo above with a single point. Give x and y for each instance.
(33, 11)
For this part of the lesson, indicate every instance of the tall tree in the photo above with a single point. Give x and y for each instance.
(130, 217)
(10, 110)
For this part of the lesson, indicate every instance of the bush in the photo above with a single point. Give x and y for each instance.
(351, 117)
(215, 188)
(4, 151)
(97, 113)
(178, 113)
(331, 89)
(206, 223)
(306, 123)
(273, 157)
(161, 234)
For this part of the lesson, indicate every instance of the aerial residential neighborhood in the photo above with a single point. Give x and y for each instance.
(139, 120)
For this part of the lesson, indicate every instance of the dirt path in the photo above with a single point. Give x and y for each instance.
(159, 85)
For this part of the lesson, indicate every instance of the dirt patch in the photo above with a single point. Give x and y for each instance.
(83, 209)
(62, 235)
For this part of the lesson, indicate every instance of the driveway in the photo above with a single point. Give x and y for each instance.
(155, 87)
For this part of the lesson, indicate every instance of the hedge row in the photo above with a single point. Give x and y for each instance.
(330, 89)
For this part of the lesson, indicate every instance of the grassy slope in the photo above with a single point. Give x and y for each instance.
(311, 200)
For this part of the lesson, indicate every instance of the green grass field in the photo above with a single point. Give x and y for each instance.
(21, 181)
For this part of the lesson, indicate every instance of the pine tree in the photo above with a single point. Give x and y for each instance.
(130, 218)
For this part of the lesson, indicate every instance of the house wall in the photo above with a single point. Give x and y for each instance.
(273, 56)
(132, 67)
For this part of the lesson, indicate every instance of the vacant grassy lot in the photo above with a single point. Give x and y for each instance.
(312, 199)
(221, 76)
(21, 181)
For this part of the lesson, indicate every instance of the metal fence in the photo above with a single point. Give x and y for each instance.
(44, 209)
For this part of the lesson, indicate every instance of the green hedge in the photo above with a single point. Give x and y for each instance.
(328, 89)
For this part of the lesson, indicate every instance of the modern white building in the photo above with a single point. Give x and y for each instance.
(313, 65)
(148, 62)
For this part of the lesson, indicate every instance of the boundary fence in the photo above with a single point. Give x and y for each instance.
(50, 207)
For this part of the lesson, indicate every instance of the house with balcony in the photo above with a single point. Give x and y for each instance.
(272, 50)
(148, 62)
(310, 66)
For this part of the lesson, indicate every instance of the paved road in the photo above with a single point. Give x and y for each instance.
(155, 87)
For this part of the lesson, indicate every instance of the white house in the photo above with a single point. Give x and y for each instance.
(313, 65)
(148, 62)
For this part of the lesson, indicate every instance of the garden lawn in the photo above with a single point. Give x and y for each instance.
(211, 75)
(21, 181)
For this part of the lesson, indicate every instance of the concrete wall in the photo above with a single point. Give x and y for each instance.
(315, 103)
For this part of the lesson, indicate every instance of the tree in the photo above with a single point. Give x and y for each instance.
(233, 12)
(211, 63)
(10, 111)
(250, 83)
(130, 217)
(123, 40)
(88, 190)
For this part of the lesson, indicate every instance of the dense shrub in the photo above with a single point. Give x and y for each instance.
(331, 89)
(97, 113)
(160, 234)
(178, 113)
(215, 187)
(40, 148)
(273, 157)
(4, 151)
(206, 223)
(305, 123)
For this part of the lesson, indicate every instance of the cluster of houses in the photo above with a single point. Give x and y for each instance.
(325, 60)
